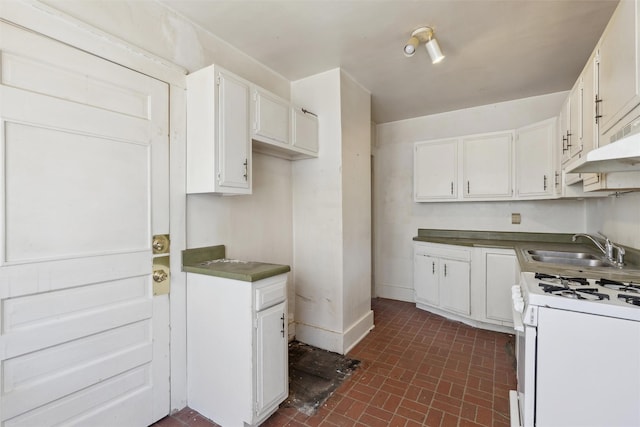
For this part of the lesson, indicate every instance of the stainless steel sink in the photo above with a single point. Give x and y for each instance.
(569, 258)
(563, 254)
(587, 261)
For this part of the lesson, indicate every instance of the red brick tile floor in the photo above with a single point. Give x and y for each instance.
(418, 369)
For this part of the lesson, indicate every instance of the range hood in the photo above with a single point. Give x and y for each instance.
(622, 155)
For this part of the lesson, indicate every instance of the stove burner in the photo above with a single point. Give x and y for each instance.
(560, 280)
(630, 299)
(590, 294)
(619, 286)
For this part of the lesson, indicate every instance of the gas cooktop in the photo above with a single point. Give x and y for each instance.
(597, 296)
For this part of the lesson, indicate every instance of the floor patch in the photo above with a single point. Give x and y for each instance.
(314, 374)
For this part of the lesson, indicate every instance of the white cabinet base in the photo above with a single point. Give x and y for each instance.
(237, 348)
(463, 319)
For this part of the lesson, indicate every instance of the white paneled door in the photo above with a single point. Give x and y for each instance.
(84, 179)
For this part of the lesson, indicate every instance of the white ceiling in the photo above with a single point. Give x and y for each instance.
(495, 50)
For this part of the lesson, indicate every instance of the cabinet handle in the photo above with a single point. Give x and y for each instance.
(445, 270)
(246, 169)
(568, 140)
(544, 182)
(468, 188)
(452, 188)
(433, 267)
(598, 115)
(556, 179)
(564, 143)
(282, 331)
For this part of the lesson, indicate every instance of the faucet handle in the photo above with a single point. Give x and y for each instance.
(603, 236)
(620, 256)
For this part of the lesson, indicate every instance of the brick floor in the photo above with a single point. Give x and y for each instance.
(417, 369)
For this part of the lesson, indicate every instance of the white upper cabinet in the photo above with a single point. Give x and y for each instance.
(281, 129)
(619, 66)
(576, 119)
(564, 122)
(218, 133)
(270, 118)
(486, 166)
(305, 131)
(534, 160)
(435, 166)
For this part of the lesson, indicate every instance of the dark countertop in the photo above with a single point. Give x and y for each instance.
(521, 242)
(211, 261)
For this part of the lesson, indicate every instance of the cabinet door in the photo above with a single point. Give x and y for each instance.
(270, 118)
(534, 159)
(435, 168)
(305, 130)
(426, 270)
(454, 285)
(502, 271)
(487, 165)
(576, 123)
(619, 65)
(233, 133)
(272, 379)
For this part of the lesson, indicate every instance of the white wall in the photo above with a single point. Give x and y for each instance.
(356, 208)
(617, 217)
(331, 216)
(317, 218)
(397, 217)
(157, 29)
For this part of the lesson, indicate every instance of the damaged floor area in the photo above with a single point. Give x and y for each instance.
(314, 374)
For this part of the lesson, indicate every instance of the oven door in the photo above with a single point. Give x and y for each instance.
(522, 401)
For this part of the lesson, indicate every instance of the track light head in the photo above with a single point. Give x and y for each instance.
(411, 46)
(424, 35)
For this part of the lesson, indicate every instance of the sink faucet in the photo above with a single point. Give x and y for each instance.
(607, 249)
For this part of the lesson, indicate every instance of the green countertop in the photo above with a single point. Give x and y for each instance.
(521, 242)
(211, 261)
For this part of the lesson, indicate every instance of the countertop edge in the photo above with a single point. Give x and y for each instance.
(193, 258)
(548, 241)
(253, 277)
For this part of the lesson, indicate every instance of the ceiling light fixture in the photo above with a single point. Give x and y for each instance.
(424, 35)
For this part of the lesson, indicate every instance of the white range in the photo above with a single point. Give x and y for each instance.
(578, 352)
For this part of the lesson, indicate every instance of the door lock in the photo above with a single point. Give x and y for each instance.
(160, 244)
(161, 275)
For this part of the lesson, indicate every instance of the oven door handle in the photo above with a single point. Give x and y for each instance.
(517, 320)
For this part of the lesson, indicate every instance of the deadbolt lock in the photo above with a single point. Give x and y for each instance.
(160, 244)
(161, 275)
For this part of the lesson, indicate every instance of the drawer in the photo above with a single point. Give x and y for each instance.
(271, 294)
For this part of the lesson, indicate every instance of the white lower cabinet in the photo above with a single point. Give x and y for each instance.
(468, 284)
(237, 348)
(441, 277)
(501, 272)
